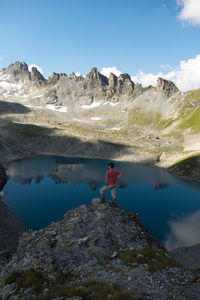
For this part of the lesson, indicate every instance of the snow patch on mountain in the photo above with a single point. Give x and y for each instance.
(96, 118)
(92, 105)
(57, 108)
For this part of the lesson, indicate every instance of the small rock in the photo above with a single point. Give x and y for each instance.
(114, 254)
(140, 256)
(96, 201)
(139, 248)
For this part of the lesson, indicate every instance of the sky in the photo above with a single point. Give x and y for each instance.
(144, 38)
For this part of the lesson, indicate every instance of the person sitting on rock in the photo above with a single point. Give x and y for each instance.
(111, 182)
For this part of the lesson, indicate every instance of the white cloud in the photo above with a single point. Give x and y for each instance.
(35, 66)
(77, 74)
(106, 71)
(190, 11)
(186, 76)
(146, 79)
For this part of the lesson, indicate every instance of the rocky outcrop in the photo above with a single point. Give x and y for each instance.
(19, 73)
(55, 78)
(3, 177)
(97, 78)
(188, 257)
(36, 76)
(166, 87)
(112, 81)
(125, 84)
(95, 245)
(10, 230)
(112, 86)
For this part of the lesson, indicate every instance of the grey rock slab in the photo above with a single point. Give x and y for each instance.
(188, 257)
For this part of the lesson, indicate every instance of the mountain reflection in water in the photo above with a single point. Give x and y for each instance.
(161, 200)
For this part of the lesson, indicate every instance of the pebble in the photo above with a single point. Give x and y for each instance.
(114, 254)
(140, 256)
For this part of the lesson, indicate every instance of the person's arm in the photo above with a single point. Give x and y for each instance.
(119, 175)
(106, 180)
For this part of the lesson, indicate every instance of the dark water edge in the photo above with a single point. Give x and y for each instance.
(42, 189)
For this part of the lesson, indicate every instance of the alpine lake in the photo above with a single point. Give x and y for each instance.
(41, 190)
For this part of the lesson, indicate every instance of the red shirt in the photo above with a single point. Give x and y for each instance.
(112, 176)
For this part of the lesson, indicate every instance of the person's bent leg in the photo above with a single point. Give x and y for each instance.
(102, 192)
(113, 192)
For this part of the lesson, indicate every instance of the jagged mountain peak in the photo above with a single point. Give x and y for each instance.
(112, 80)
(18, 65)
(96, 76)
(60, 88)
(94, 70)
(167, 87)
(124, 76)
(19, 72)
(55, 77)
(36, 75)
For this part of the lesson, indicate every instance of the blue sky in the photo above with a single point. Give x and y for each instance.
(140, 37)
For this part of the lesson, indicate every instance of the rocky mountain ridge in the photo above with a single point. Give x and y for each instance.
(109, 88)
(158, 124)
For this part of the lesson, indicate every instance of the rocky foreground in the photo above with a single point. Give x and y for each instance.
(95, 252)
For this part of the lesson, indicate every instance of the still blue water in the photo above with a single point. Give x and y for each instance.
(41, 190)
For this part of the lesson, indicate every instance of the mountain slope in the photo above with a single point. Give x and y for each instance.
(161, 122)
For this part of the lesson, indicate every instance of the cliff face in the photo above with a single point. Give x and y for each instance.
(95, 251)
(10, 230)
(166, 87)
(3, 177)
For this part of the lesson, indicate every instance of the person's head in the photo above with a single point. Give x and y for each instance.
(111, 165)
